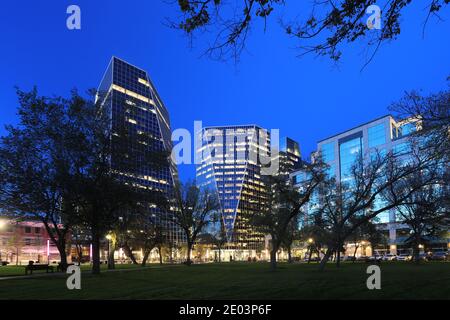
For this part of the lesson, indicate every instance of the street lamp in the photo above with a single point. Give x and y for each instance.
(108, 237)
(48, 251)
(2, 224)
(310, 248)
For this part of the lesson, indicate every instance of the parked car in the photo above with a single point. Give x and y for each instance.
(404, 257)
(422, 257)
(439, 256)
(375, 258)
(389, 257)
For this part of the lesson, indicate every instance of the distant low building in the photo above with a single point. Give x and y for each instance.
(340, 151)
(22, 241)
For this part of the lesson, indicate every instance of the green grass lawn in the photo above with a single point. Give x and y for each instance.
(399, 280)
(13, 270)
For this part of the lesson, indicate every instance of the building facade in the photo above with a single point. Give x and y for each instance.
(134, 105)
(231, 167)
(290, 157)
(23, 241)
(340, 151)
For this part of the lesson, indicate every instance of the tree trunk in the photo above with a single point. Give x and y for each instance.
(145, 257)
(273, 256)
(79, 253)
(95, 252)
(354, 254)
(338, 251)
(325, 259)
(273, 259)
(61, 246)
(129, 253)
(188, 254)
(160, 255)
(415, 255)
(310, 253)
(289, 254)
(219, 254)
(111, 263)
(338, 258)
(416, 250)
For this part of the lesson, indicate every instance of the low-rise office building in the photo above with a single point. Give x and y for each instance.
(23, 241)
(340, 151)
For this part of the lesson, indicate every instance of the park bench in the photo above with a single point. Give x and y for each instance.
(33, 267)
(60, 268)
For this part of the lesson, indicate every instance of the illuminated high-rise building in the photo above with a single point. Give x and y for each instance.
(135, 106)
(231, 169)
(290, 158)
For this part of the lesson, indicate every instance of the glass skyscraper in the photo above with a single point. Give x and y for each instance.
(229, 169)
(290, 158)
(133, 103)
(342, 150)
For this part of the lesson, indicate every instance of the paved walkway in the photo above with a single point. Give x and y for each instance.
(63, 274)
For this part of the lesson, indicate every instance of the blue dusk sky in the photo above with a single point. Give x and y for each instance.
(307, 98)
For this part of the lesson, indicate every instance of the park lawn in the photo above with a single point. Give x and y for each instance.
(13, 270)
(399, 280)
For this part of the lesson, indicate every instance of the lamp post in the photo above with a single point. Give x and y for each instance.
(310, 243)
(421, 247)
(2, 224)
(108, 259)
(48, 251)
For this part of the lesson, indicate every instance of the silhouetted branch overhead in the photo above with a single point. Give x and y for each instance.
(327, 27)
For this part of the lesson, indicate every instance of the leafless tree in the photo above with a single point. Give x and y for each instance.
(285, 204)
(372, 187)
(433, 113)
(195, 209)
(426, 211)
